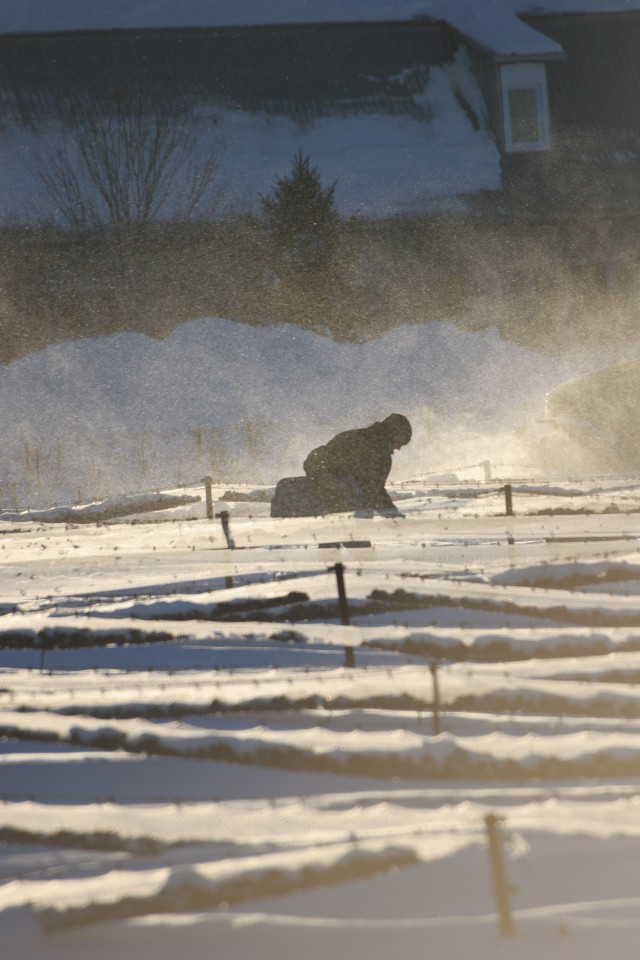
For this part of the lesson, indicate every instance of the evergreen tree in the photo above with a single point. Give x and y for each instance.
(302, 219)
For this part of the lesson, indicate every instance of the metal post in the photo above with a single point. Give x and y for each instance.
(342, 593)
(508, 499)
(501, 888)
(209, 497)
(436, 699)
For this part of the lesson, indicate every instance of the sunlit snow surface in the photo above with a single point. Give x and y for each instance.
(125, 413)
(188, 759)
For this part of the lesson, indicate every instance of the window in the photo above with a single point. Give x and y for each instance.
(525, 106)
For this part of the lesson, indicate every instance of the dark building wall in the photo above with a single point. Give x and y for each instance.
(294, 69)
(598, 85)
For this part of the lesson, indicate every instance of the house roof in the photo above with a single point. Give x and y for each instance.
(296, 71)
(392, 112)
(493, 24)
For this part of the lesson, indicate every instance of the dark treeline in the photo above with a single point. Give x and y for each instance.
(543, 285)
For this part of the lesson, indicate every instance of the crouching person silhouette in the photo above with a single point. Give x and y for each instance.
(350, 471)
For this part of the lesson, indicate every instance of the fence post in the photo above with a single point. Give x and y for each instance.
(338, 568)
(43, 647)
(342, 594)
(501, 888)
(486, 466)
(224, 520)
(209, 497)
(223, 516)
(508, 499)
(436, 699)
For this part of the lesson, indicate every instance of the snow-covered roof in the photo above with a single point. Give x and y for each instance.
(493, 23)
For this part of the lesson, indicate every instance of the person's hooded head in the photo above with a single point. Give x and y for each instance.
(398, 430)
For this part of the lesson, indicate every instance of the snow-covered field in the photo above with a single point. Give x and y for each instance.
(125, 413)
(189, 764)
(197, 756)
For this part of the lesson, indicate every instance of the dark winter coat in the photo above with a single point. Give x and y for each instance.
(350, 471)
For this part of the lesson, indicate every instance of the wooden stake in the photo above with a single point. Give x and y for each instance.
(209, 497)
(338, 568)
(342, 593)
(224, 520)
(436, 699)
(508, 499)
(501, 889)
(43, 647)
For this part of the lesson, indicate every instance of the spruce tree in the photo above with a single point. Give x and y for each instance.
(301, 217)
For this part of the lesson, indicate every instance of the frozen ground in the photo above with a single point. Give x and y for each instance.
(188, 763)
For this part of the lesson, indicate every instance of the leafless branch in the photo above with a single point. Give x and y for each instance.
(127, 160)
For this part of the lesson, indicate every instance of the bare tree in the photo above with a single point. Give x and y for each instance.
(127, 159)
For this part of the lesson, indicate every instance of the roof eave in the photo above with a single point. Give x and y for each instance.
(516, 56)
(528, 57)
